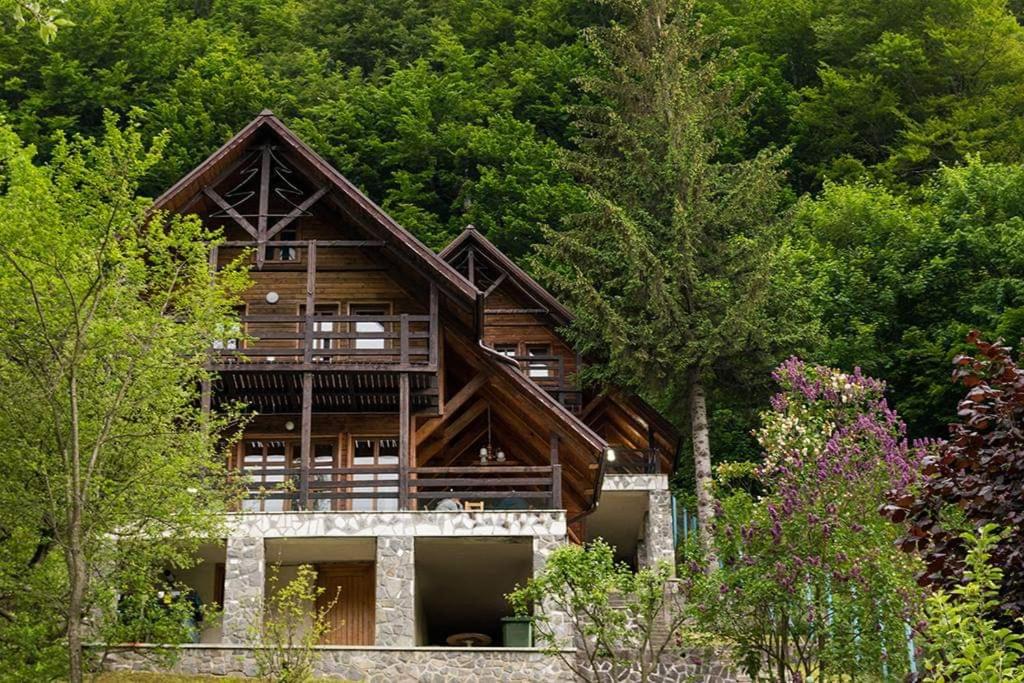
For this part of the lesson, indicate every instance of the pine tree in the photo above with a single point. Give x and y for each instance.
(675, 269)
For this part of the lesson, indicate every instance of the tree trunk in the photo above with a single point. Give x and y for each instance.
(702, 467)
(75, 553)
(76, 578)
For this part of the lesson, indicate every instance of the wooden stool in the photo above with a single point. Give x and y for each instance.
(473, 506)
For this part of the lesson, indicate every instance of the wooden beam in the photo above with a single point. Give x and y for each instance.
(404, 424)
(455, 428)
(465, 441)
(261, 221)
(433, 338)
(296, 212)
(452, 406)
(305, 443)
(230, 210)
(307, 353)
(495, 285)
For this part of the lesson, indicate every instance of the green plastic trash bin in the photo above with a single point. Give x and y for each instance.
(517, 632)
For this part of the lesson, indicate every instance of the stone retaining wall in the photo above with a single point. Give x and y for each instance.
(426, 665)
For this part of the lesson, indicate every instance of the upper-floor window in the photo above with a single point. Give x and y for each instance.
(507, 350)
(366, 328)
(322, 329)
(540, 363)
(282, 253)
(229, 334)
(370, 452)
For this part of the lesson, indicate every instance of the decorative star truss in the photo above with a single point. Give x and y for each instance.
(263, 175)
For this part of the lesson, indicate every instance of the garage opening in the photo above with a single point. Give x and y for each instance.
(461, 585)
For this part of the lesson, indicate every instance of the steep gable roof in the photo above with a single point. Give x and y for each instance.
(471, 237)
(179, 197)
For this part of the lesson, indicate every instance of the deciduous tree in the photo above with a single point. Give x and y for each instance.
(106, 315)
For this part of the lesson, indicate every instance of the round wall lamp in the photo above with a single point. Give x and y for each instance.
(289, 426)
(272, 297)
(609, 455)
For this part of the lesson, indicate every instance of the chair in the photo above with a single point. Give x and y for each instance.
(473, 506)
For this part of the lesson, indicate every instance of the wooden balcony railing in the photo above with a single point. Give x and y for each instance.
(549, 372)
(634, 461)
(399, 342)
(388, 487)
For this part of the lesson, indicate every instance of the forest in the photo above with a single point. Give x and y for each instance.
(878, 143)
(898, 122)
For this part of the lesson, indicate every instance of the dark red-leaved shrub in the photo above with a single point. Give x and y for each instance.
(975, 478)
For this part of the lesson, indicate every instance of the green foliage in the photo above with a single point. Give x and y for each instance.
(899, 283)
(811, 584)
(618, 618)
(111, 471)
(890, 88)
(962, 641)
(291, 626)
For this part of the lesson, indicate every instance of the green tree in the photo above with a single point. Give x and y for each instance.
(899, 282)
(106, 316)
(621, 620)
(675, 269)
(963, 642)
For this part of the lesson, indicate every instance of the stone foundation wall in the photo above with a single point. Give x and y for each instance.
(396, 586)
(426, 665)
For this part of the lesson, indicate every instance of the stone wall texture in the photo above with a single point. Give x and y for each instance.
(363, 524)
(659, 542)
(424, 665)
(396, 579)
(244, 578)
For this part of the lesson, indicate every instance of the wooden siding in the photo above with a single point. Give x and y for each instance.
(350, 586)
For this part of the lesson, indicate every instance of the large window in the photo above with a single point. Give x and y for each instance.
(370, 311)
(264, 460)
(323, 459)
(371, 452)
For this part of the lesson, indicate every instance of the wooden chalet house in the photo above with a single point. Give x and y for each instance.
(418, 435)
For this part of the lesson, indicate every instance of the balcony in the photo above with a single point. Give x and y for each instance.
(550, 374)
(359, 343)
(386, 488)
(633, 461)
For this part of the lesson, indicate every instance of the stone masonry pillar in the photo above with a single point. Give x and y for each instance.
(396, 604)
(560, 623)
(659, 543)
(244, 577)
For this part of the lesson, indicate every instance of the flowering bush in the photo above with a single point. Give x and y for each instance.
(811, 582)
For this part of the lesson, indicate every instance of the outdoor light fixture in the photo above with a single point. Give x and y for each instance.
(488, 453)
(609, 455)
(289, 426)
(272, 297)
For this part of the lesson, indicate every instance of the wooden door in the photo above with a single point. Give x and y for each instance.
(351, 621)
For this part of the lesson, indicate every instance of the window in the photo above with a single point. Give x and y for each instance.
(261, 460)
(280, 253)
(540, 368)
(326, 341)
(377, 326)
(323, 459)
(229, 335)
(367, 452)
(507, 350)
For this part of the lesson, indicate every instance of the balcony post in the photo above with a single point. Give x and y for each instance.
(556, 487)
(404, 425)
(305, 440)
(307, 353)
(433, 336)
